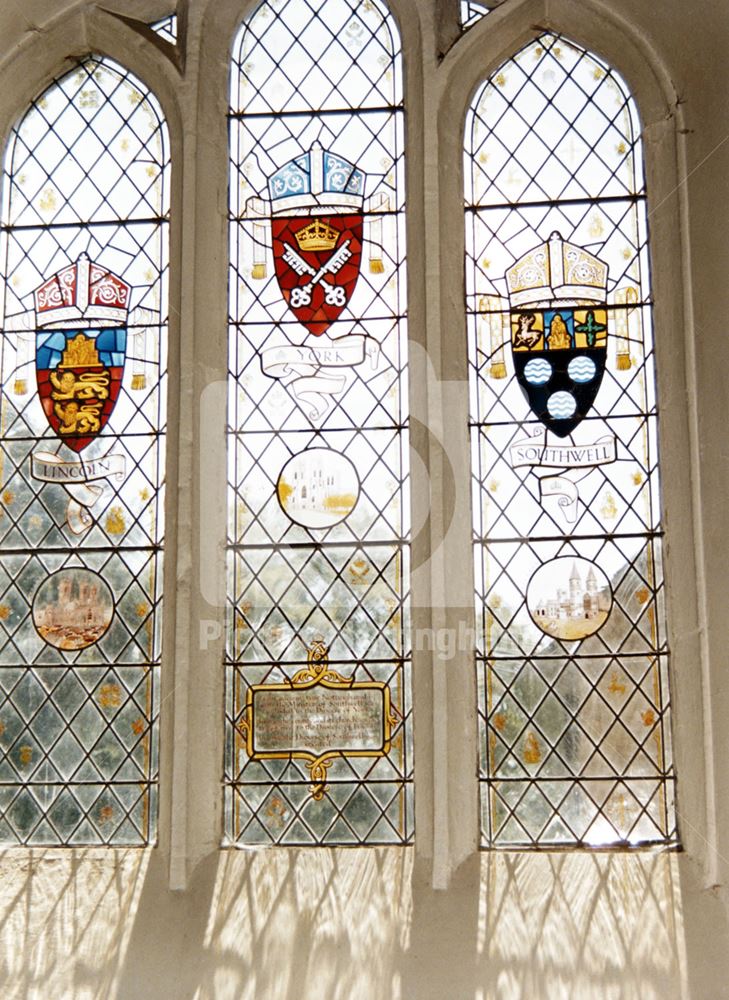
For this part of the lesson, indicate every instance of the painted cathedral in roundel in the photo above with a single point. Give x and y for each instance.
(586, 600)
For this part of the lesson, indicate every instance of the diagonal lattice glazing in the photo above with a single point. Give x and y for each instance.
(572, 651)
(85, 206)
(318, 555)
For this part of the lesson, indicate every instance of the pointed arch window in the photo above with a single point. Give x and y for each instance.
(572, 654)
(318, 691)
(82, 417)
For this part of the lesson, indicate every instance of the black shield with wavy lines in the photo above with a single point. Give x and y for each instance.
(559, 360)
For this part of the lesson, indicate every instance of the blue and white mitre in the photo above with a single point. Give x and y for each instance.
(315, 180)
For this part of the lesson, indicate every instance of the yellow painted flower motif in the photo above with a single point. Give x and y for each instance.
(144, 493)
(637, 478)
(110, 696)
(596, 227)
(276, 811)
(621, 148)
(245, 609)
(88, 99)
(8, 497)
(501, 80)
(115, 524)
(598, 73)
(142, 609)
(138, 727)
(48, 200)
(25, 754)
(642, 595)
(151, 170)
(106, 814)
(616, 686)
(500, 721)
(532, 751)
(135, 97)
(648, 717)
(358, 570)
(609, 509)
(2, 728)
(494, 485)
(4, 612)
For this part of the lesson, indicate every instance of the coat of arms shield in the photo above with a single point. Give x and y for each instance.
(316, 203)
(81, 316)
(557, 297)
(317, 262)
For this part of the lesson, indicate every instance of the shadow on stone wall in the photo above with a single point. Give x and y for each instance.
(358, 925)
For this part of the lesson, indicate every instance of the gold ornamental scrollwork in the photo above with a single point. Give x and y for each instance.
(317, 673)
(318, 670)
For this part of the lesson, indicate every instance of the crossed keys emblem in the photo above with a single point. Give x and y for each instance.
(334, 295)
(317, 260)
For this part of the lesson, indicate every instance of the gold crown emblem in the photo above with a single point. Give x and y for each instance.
(80, 353)
(317, 235)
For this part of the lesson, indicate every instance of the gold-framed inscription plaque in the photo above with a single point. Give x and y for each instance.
(317, 716)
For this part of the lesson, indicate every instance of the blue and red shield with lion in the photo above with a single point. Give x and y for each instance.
(81, 316)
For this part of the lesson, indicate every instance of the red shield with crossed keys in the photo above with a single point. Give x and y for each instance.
(317, 261)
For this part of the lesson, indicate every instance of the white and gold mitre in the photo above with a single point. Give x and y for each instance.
(557, 271)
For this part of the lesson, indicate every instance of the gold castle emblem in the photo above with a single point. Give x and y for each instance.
(317, 235)
(78, 399)
(80, 353)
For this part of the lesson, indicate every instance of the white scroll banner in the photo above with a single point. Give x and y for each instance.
(79, 480)
(531, 451)
(567, 492)
(535, 451)
(302, 369)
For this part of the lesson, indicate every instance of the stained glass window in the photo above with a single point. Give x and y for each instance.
(167, 28)
(572, 652)
(472, 11)
(82, 404)
(318, 691)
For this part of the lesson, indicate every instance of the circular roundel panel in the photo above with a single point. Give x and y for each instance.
(72, 608)
(318, 488)
(537, 371)
(561, 405)
(581, 370)
(569, 598)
